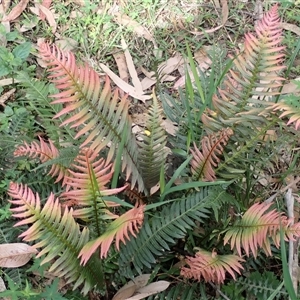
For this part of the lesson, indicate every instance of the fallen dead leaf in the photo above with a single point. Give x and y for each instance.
(5, 4)
(291, 27)
(163, 70)
(126, 21)
(6, 25)
(49, 16)
(8, 81)
(122, 66)
(127, 88)
(6, 96)
(16, 11)
(66, 44)
(131, 68)
(291, 87)
(203, 64)
(47, 4)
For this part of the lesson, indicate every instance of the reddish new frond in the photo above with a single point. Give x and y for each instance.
(254, 78)
(211, 267)
(88, 181)
(130, 222)
(98, 113)
(291, 108)
(44, 152)
(27, 204)
(256, 228)
(203, 161)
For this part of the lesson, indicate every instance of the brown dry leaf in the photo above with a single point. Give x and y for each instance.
(15, 255)
(224, 17)
(66, 44)
(130, 287)
(16, 11)
(8, 81)
(122, 66)
(5, 4)
(164, 69)
(290, 87)
(131, 68)
(150, 289)
(47, 4)
(291, 27)
(6, 25)
(127, 88)
(203, 62)
(6, 96)
(140, 30)
(49, 16)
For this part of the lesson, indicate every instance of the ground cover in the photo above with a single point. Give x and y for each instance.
(195, 156)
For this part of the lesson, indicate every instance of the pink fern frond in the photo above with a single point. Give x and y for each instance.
(44, 152)
(89, 178)
(119, 229)
(211, 267)
(25, 202)
(257, 226)
(203, 161)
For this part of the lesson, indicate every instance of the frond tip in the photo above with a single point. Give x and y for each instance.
(211, 266)
(130, 222)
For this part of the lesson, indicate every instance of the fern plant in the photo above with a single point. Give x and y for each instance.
(76, 228)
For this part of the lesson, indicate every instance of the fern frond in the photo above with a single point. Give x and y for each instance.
(170, 224)
(37, 96)
(203, 161)
(152, 151)
(48, 225)
(130, 222)
(87, 185)
(254, 77)
(98, 114)
(44, 152)
(211, 267)
(256, 227)
(291, 107)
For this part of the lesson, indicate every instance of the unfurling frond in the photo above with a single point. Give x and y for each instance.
(99, 115)
(130, 222)
(152, 152)
(256, 228)
(87, 184)
(211, 267)
(290, 106)
(44, 152)
(254, 79)
(48, 226)
(203, 161)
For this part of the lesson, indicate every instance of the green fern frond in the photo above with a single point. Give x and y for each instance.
(152, 151)
(98, 114)
(37, 95)
(58, 235)
(170, 224)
